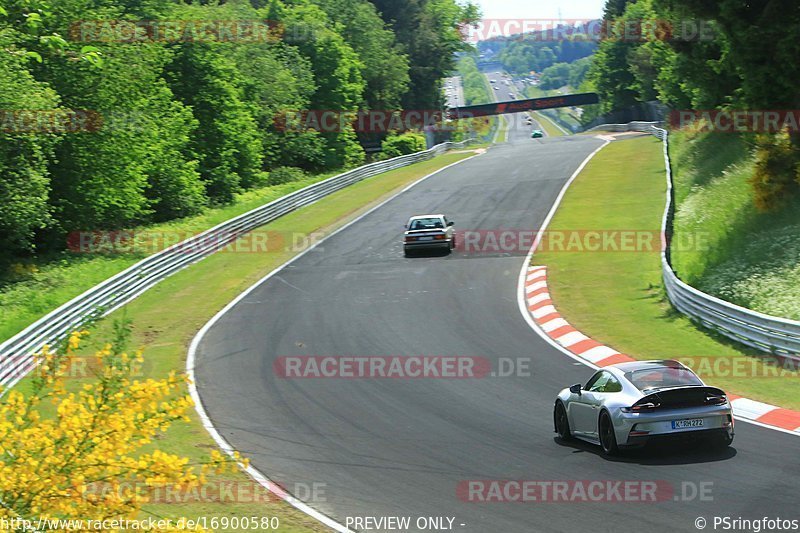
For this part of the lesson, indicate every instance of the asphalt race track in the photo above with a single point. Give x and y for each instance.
(400, 447)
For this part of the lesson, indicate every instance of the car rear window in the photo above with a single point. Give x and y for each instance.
(664, 377)
(426, 223)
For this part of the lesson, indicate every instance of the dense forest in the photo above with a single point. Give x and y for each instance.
(561, 74)
(711, 57)
(521, 54)
(116, 113)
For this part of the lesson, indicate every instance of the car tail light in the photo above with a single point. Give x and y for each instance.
(716, 400)
(641, 407)
(411, 239)
(440, 237)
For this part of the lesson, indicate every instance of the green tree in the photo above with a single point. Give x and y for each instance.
(625, 67)
(407, 143)
(611, 77)
(761, 41)
(555, 76)
(753, 66)
(277, 79)
(430, 32)
(131, 164)
(384, 66)
(227, 142)
(113, 177)
(24, 157)
(614, 9)
(337, 77)
(578, 71)
(188, 123)
(533, 52)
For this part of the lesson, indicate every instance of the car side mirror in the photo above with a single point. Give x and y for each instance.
(576, 389)
(451, 223)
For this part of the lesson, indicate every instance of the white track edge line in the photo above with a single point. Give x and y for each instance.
(521, 294)
(258, 476)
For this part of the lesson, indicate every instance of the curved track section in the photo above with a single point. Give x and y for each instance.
(389, 447)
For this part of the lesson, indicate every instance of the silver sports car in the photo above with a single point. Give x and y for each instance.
(629, 404)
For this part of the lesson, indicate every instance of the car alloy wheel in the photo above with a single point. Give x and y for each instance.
(562, 422)
(608, 440)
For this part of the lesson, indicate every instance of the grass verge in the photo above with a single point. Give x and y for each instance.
(548, 125)
(562, 115)
(167, 317)
(618, 297)
(504, 127)
(750, 257)
(38, 288)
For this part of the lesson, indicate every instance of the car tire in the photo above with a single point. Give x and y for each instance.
(561, 422)
(608, 439)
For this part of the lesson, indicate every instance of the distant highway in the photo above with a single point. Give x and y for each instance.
(519, 130)
(454, 92)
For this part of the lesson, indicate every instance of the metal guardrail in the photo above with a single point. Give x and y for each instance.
(16, 354)
(775, 335)
(644, 127)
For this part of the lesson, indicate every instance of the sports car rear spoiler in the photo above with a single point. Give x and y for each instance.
(681, 397)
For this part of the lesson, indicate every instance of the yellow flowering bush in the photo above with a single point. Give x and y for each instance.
(58, 445)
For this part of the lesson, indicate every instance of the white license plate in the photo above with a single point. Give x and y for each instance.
(424, 238)
(690, 423)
